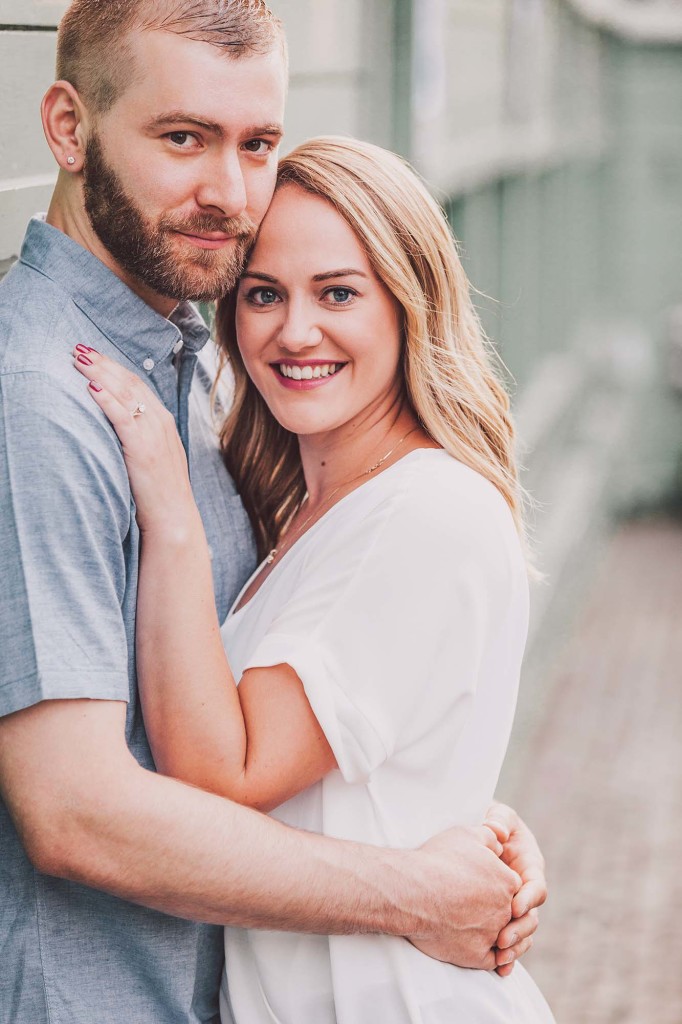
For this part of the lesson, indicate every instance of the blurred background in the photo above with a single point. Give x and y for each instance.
(551, 132)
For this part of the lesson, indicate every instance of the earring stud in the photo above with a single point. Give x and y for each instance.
(71, 160)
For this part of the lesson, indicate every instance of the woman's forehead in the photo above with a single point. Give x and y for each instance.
(299, 223)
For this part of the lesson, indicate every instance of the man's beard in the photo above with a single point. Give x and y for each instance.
(147, 252)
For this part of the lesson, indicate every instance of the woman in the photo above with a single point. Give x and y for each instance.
(378, 646)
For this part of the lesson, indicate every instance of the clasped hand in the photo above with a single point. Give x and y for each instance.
(487, 883)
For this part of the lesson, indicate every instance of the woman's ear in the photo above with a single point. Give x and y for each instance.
(62, 115)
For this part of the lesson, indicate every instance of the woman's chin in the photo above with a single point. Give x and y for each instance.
(304, 424)
(307, 429)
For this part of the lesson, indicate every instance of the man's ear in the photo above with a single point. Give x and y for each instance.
(63, 114)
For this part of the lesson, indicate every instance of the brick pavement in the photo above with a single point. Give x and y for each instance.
(602, 787)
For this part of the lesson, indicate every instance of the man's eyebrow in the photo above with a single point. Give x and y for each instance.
(182, 117)
(264, 129)
(173, 117)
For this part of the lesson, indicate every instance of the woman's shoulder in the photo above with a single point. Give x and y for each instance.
(427, 504)
(448, 514)
(438, 488)
(452, 517)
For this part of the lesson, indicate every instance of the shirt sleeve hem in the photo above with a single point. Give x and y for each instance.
(357, 746)
(25, 693)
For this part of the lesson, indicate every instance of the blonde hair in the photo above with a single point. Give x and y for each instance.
(450, 380)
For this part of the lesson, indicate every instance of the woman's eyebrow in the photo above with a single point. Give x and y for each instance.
(325, 276)
(259, 276)
(346, 272)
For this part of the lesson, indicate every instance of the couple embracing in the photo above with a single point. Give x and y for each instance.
(262, 680)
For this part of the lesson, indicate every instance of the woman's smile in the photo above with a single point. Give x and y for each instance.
(300, 375)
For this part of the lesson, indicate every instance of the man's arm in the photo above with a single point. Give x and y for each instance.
(88, 812)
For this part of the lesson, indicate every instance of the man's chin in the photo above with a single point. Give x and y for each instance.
(200, 280)
(202, 290)
(195, 291)
(206, 274)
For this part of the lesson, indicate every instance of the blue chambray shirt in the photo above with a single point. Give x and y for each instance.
(68, 572)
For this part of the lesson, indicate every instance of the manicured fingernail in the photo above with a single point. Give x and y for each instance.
(84, 360)
(95, 386)
(514, 939)
(84, 348)
(509, 958)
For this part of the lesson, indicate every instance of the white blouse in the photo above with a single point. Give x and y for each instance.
(404, 612)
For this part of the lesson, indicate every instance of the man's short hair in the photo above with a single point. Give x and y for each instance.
(92, 45)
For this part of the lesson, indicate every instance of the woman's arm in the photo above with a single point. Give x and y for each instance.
(258, 744)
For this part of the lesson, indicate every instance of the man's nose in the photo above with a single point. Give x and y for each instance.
(224, 188)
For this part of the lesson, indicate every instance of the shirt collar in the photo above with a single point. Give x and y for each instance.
(128, 322)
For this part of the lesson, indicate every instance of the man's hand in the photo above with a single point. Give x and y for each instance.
(520, 852)
(469, 892)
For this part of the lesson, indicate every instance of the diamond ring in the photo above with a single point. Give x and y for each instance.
(138, 410)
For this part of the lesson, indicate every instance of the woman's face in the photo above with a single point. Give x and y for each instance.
(319, 333)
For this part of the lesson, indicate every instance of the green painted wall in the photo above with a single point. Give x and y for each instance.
(554, 144)
(645, 84)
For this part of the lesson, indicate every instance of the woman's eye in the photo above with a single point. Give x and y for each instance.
(262, 296)
(340, 296)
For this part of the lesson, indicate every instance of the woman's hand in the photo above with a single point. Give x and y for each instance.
(153, 451)
(520, 852)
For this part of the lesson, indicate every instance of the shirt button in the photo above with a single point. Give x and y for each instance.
(148, 365)
(178, 346)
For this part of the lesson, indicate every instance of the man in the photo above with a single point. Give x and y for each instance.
(165, 125)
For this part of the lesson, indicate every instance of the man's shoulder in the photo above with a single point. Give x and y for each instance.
(34, 311)
(39, 325)
(23, 282)
(45, 400)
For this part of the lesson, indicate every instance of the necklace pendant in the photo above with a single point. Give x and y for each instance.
(271, 557)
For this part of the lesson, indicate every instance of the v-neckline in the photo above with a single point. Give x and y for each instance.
(236, 609)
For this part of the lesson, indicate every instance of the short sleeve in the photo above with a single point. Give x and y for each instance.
(389, 623)
(64, 520)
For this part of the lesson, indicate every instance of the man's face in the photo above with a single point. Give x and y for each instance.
(179, 173)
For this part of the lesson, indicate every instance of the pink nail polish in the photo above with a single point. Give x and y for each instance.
(95, 386)
(84, 360)
(84, 348)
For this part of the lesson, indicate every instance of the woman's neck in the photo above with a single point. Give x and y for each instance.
(332, 460)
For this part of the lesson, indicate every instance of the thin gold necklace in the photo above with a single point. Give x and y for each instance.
(366, 472)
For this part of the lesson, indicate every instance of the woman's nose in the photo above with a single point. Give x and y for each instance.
(299, 332)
